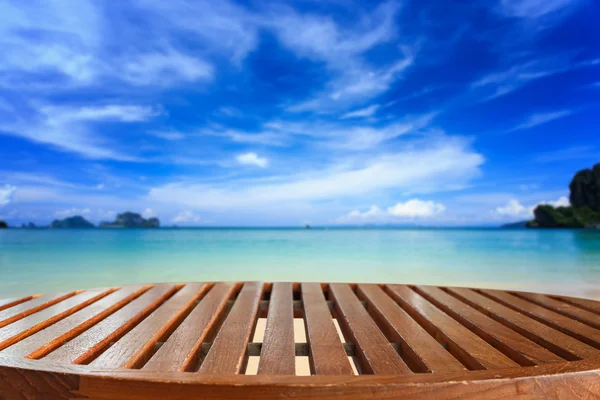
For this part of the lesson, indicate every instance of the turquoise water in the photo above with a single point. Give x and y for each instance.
(35, 261)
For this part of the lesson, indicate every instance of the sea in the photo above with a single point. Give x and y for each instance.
(36, 261)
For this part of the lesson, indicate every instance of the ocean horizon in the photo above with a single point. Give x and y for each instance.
(45, 260)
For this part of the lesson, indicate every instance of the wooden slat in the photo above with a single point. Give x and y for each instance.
(22, 310)
(7, 303)
(228, 353)
(278, 354)
(181, 350)
(425, 353)
(569, 310)
(33, 323)
(47, 340)
(374, 351)
(590, 305)
(470, 349)
(85, 347)
(327, 354)
(134, 349)
(569, 326)
(555, 341)
(519, 348)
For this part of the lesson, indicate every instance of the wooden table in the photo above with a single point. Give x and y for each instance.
(195, 340)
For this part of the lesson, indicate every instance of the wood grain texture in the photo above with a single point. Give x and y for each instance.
(580, 314)
(518, 347)
(555, 341)
(567, 325)
(278, 355)
(135, 347)
(195, 324)
(423, 351)
(85, 347)
(374, 351)
(469, 348)
(33, 323)
(327, 355)
(181, 351)
(20, 311)
(50, 338)
(590, 305)
(229, 350)
(7, 303)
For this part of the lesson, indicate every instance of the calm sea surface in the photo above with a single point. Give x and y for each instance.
(35, 261)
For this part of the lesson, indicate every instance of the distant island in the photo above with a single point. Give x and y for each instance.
(3, 225)
(75, 222)
(124, 220)
(584, 211)
(131, 220)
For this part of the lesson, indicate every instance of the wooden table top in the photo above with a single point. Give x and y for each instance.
(224, 340)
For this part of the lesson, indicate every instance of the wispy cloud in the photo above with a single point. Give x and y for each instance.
(363, 112)
(542, 118)
(341, 48)
(6, 194)
(533, 8)
(444, 165)
(68, 129)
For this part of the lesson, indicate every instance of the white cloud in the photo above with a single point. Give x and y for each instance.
(363, 112)
(446, 164)
(100, 186)
(411, 209)
(186, 217)
(6, 194)
(416, 208)
(517, 210)
(148, 213)
(513, 209)
(561, 202)
(71, 212)
(542, 118)
(252, 159)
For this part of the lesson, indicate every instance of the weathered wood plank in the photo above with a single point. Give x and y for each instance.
(470, 349)
(13, 314)
(519, 348)
(565, 346)
(374, 352)
(7, 303)
(278, 355)
(134, 348)
(590, 305)
(425, 353)
(561, 307)
(228, 353)
(569, 326)
(87, 346)
(50, 338)
(33, 323)
(181, 350)
(327, 354)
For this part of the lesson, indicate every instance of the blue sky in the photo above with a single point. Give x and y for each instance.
(286, 113)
